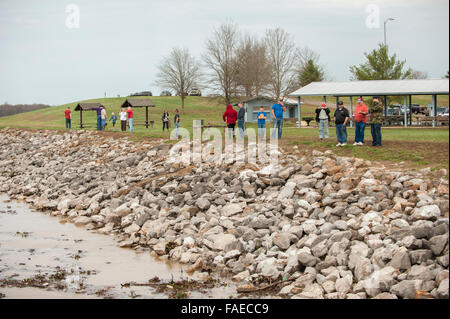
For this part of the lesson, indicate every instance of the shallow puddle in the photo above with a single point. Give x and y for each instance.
(33, 243)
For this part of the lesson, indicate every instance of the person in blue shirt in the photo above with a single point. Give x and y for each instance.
(113, 119)
(99, 117)
(277, 114)
(261, 122)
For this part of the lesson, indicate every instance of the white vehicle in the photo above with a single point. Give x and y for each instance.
(195, 92)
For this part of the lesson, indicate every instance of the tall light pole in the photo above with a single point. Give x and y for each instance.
(386, 21)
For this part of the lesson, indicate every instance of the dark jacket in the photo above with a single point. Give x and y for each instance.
(241, 114)
(230, 115)
(340, 115)
(327, 110)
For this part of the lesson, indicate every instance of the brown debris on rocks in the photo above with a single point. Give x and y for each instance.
(326, 226)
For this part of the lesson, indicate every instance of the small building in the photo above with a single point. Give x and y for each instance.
(140, 103)
(86, 107)
(252, 108)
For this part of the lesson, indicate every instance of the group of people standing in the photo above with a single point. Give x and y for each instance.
(342, 117)
(231, 116)
(176, 121)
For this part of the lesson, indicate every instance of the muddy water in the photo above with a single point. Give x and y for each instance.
(34, 243)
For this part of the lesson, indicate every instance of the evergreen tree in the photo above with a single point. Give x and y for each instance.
(310, 73)
(381, 66)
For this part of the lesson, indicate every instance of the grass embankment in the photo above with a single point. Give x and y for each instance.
(417, 147)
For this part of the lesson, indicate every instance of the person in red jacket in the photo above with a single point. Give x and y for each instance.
(230, 116)
(67, 115)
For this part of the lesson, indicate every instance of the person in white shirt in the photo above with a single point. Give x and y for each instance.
(103, 118)
(123, 120)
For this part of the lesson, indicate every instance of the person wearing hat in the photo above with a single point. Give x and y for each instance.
(323, 118)
(376, 120)
(361, 112)
(341, 117)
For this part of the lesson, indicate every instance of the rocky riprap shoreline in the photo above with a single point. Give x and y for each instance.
(324, 226)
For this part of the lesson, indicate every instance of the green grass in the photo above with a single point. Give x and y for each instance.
(417, 146)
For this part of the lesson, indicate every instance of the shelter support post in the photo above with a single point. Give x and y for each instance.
(351, 111)
(405, 111)
(81, 119)
(299, 100)
(434, 103)
(324, 99)
(410, 110)
(385, 105)
(146, 117)
(337, 101)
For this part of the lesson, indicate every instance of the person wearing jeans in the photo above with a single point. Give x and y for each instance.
(261, 122)
(99, 117)
(277, 115)
(323, 118)
(130, 118)
(361, 112)
(241, 120)
(176, 122)
(341, 117)
(67, 114)
(376, 120)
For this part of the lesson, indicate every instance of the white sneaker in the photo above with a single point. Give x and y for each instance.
(338, 144)
(361, 143)
(356, 143)
(343, 144)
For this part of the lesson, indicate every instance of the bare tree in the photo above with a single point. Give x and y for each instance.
(307, 67)
(220, 58)
(418, 75)
(253, 68)
(179, 71)
(281, 54)
(303, 55)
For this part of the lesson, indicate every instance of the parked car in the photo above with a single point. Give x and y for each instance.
(195, 92)
(185, 94)
(442, 111)
(143, 93)
(395, 109)
(165, 93)
(417, 109)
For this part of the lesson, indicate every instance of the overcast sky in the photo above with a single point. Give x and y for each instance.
(119, 43)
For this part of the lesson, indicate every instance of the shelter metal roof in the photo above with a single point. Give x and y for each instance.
(86, 106)
(138, 103)
(375, 87)
(287, 102)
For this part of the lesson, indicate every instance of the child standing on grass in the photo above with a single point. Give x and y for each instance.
(113, 119)
(261, 122)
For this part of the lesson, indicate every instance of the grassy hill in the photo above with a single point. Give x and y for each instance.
(415, 146)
